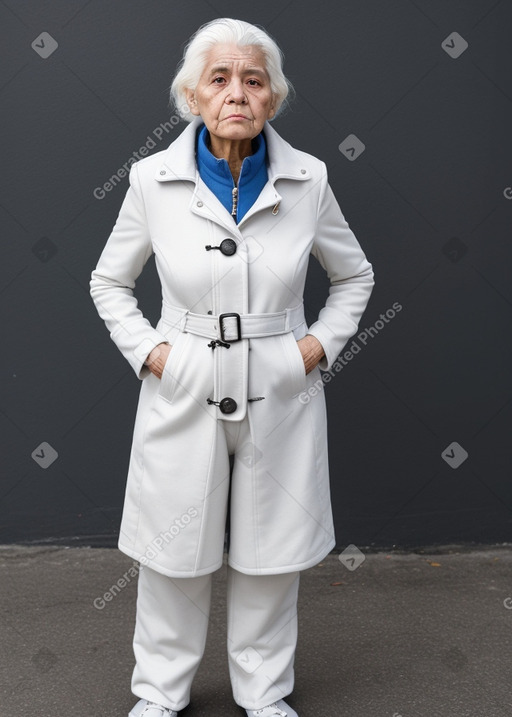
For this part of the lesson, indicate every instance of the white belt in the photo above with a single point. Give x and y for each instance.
(231, 327)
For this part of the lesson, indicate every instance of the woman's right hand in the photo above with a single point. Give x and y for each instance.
(157, 357)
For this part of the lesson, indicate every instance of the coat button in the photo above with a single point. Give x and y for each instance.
(199, 204)
(228, 247)
(163, 171)
(228, 405)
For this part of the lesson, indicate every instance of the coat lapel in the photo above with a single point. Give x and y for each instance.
(179, 164)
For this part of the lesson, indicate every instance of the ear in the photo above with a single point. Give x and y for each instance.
(272, 110)
(191, 102)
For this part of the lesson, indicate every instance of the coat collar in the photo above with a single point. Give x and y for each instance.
(179, 161)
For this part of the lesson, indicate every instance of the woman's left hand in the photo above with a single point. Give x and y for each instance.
(311, 350)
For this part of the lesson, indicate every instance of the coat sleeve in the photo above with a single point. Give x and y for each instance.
(112, 282)
(349, 272)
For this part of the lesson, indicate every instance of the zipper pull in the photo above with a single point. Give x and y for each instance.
(234, 192)
(275, 209)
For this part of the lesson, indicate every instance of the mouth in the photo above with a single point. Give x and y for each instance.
(236, 116)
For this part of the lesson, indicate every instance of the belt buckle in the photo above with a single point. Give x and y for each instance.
(238, 326)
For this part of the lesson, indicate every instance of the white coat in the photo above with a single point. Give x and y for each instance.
(174, 513)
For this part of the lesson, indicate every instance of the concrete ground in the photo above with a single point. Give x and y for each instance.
(402, 635)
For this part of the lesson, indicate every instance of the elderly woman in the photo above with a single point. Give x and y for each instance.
(224, 436)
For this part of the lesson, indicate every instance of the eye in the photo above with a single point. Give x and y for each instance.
(215, 80)
(254, 83)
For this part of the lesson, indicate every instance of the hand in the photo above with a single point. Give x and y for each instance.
(311, 350)
(157, 358)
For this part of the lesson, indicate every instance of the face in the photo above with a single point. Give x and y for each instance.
(233, 95)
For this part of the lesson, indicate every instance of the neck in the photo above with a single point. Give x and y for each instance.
(233, 151)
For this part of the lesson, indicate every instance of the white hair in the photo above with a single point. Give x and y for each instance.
(227, 31)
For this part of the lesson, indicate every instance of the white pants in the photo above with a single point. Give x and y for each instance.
(170, 635)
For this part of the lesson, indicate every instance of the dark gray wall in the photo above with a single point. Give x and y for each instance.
(429, 198)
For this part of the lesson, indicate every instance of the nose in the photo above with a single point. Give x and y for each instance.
(237, 93)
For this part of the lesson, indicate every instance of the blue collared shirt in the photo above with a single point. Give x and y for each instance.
(217, 176)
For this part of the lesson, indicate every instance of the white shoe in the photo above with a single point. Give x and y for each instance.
(276, 709)
(143, 708)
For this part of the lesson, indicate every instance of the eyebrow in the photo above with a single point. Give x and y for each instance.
(225, 69)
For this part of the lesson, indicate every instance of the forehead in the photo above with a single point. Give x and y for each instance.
(234, 57)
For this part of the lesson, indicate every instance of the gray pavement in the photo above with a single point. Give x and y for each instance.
(403, 635)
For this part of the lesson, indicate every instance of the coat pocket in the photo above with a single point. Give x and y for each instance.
(296, 380)
(170, 375)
